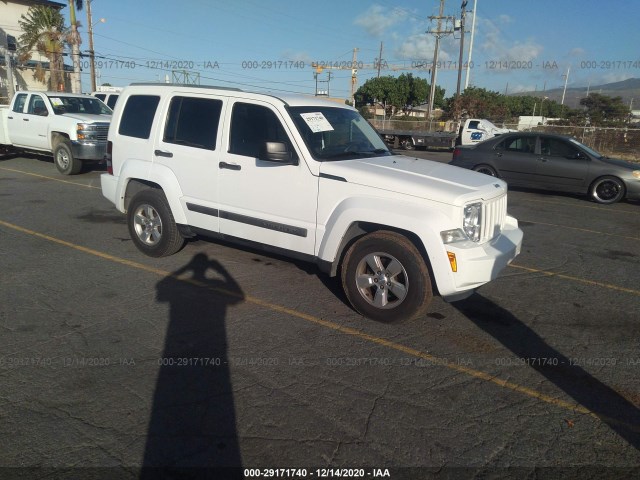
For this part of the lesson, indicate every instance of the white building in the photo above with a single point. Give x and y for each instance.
(23, 75)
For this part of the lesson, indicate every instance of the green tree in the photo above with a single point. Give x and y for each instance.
(401, 93)
(604, 109)
(43, 30)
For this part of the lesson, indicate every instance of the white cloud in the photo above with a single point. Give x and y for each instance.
(498, 49)
(376, 20)
(577, 52)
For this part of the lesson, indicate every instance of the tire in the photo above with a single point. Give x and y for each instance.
(63, 158)
(151, 224)
(402, 288)
(407, 144)
(607, 190)
(486, 169)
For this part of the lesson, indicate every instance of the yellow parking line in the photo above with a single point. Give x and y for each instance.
(48, 178)
(608, 209)
(580, 229)
(578, 279)
(573, 407)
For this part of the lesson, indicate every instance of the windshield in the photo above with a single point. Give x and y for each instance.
(337, 133)
(590, 151)
(80, 104)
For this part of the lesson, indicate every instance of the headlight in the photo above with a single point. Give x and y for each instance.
(86, 132)
(636, 173)
(472, 222)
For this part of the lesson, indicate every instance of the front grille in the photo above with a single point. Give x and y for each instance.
(102, 130)
(494, 212)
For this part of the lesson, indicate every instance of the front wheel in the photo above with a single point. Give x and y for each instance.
(607, 190)
(385, 278)
(64, 160)
(152, 226)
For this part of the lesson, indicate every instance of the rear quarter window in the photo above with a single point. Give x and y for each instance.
(137, 116)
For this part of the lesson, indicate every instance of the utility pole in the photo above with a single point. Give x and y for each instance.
(354, 76)
(434, 68)
(92, 53)
(566, 79)
(380, 60)
(473, 30)
(462, 17)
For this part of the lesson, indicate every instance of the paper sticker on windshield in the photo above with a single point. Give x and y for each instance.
(317, 122)
(55, 101)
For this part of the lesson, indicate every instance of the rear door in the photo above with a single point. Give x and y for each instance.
(516, 159)
(561, 163)
(188, 144)
(262, 201)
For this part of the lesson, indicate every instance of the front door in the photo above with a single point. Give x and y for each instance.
(262, 201)
(561, 163)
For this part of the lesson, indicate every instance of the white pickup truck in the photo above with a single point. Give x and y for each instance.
(73, 128)
(309, 179)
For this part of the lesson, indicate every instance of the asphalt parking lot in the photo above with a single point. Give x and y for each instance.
(110, 360)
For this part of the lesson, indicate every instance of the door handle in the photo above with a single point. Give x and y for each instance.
(162, 153)
(10, 118)
(25, 119)
(498, 154)
(229, 166)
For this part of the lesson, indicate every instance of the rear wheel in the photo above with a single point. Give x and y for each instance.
(486, 169)
(385, 277)
(607, 190)
(407, 143)
(64, 160)
(151, 224)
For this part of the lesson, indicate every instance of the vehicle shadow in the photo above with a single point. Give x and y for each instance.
(192, 427)
(609, 406)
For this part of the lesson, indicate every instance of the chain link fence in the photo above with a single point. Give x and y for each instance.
(621, 143)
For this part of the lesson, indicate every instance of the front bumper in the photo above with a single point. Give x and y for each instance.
(479, 264)
(93, 150)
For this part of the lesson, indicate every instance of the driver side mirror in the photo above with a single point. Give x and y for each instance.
(278, 152)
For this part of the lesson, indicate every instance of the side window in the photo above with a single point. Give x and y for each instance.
(18, 105)
(137, 116)
(474, 124)
(36, 106)
(555, 147)
(111, 101)
(252, 126)
(518, 144)
(101, 96)
(193, 121)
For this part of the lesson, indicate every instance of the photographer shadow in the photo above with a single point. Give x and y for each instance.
(192, 428)
(611, 408)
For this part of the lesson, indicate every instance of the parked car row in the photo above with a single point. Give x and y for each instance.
(552, 162)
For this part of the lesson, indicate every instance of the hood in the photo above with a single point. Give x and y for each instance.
(620, 163)
(417, 177)
(88, 117)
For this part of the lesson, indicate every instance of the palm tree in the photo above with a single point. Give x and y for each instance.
(74, 40)
(43, 30)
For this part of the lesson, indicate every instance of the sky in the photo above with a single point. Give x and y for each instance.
(270, 45)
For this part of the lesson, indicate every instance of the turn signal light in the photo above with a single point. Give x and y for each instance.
(452, 261)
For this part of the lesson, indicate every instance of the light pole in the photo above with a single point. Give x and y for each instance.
(92, 53)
